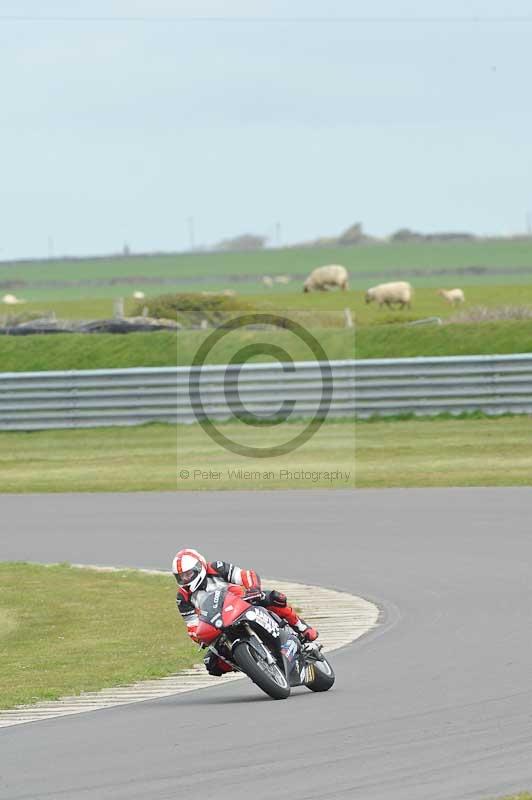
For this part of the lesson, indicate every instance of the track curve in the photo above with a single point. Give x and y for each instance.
(435, 703)
(340, 616)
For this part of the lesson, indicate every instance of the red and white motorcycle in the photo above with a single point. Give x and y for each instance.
(257, 642)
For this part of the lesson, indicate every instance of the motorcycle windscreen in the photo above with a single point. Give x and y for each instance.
(209, 604)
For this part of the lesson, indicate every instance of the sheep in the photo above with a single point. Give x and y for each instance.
(11, 300)
(139, 295)
(452, 296)
(399, 292)
(282, 279)
(321, 278)
(267, 281)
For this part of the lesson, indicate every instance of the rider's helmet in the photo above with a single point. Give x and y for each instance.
(189, 568)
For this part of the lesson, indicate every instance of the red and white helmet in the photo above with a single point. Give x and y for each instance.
(189, 568)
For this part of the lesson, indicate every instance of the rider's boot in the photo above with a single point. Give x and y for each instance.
(215, 665)
(305, 631)
(277, 602)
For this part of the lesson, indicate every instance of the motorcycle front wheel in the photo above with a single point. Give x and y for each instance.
(268, 677)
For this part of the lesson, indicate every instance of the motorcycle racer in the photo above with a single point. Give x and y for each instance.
(193, 574)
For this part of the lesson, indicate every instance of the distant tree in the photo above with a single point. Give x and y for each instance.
(406, 235)
(247, 241)
(353, 235)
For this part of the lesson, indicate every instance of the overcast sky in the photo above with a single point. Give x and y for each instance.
(120, 130)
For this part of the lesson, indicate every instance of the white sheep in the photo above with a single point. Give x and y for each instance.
(452, 296)
(399, 292)
(267, 281)
(11, 300)
(322, 278)
(139, 295)
(282, 279)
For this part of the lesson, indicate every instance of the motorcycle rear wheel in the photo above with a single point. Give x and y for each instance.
(269, 678)
(324, 676)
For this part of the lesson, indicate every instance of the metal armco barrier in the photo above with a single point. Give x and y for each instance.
(424, 386)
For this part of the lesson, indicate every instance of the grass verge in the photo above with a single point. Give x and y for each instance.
(460, 339)
(520, 796)
(402, 453)
(102, 351)
(159, 349)
(64, 631)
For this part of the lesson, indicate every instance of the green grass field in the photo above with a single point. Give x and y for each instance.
(399, 453)
(79, 351)
(64, 631)
(520, 796)
(426, 303)
(488, 262)
(380, 333)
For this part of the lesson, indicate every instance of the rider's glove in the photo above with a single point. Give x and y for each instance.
(254, 595)
(250, 579)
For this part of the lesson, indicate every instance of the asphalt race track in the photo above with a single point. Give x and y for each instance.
(435, 704)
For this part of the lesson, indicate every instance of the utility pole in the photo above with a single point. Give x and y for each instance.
(278, 234)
